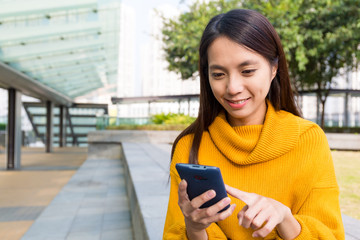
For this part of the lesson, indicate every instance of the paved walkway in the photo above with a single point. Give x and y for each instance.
(92, 206)
(47, 201)
(26, 193)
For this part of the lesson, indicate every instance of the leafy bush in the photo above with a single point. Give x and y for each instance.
(160, 118)
(342, 129)
(2, 126)
(172, 119)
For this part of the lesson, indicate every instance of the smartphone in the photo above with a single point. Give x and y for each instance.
(201, 178)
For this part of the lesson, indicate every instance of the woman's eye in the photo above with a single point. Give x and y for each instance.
(248, 71)
(217, 75)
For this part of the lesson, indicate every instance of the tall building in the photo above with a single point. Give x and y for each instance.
(126, 67)
(157, 79)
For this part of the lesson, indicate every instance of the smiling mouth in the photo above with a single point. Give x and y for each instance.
(240, 101)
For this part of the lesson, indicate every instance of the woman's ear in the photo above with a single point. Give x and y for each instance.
(274, 69)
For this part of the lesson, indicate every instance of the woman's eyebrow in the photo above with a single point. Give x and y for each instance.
(215, 66)
(243, 64)
(248, 62)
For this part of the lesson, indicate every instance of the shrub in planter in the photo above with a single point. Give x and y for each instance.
(2, 126)
(355, 130)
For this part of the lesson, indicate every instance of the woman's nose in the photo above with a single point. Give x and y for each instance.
(235, 85)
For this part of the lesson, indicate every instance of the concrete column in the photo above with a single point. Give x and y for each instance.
(318, 115)
(189, 99)
(49, 126)
(14, 130)
(346, 111)
(62, 127)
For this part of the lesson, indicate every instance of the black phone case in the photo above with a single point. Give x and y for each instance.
(202, 178)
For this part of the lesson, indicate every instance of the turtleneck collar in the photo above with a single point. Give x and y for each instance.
(252, 144)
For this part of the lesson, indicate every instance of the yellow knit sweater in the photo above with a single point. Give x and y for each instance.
(287, 159)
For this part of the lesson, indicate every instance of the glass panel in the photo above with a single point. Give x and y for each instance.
(56, 130)
(82, 139)
(83, 130)
(39, 120)
(37, 110)
(41, 129)
(86, 121)
(62, 44)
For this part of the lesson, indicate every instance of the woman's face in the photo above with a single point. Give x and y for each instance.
(240, 80)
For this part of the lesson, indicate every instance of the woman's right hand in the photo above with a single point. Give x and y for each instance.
(198, 219)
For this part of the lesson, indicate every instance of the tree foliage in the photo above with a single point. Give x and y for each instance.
(321, 38)
(182, 35)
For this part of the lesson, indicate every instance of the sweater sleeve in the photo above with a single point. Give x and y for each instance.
(319, 215)
(175, 228)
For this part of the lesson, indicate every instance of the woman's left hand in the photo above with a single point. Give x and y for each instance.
(264, 214)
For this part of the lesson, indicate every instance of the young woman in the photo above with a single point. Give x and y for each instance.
(277, 166)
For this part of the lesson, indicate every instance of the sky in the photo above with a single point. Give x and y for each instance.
(143, 7)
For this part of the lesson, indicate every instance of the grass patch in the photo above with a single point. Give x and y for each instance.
(347, 168)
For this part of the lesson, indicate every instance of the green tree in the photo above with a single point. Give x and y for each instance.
(182, 35)
(321, 38)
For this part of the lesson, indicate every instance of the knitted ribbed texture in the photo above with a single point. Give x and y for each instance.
(287, 159)
(275, 140)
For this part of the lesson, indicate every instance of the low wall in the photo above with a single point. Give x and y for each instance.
(146, 156)
(135, 136)
(344, 141)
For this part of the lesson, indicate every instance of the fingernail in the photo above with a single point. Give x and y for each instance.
(211, 193)
(255, 235)
(227, 200)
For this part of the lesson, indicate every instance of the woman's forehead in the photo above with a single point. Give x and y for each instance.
(223, 50)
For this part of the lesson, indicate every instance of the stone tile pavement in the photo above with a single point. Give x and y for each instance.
(25, 193)
(92, 206)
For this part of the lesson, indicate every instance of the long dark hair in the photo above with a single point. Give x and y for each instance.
(251, 29)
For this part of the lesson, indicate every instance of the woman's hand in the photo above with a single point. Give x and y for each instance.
(198, 219)
(264, 214)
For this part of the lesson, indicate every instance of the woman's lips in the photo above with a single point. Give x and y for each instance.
(237, 103)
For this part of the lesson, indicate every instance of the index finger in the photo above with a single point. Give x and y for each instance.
(243, 196)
